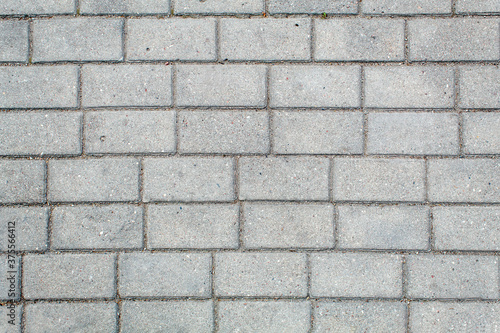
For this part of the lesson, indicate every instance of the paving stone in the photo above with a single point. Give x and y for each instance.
(261, 316)
(283, 178)
(38, 86)
(167, 316)
(164, 274)
(464, 180)
(409, 87)
(69, 275)
(355, 275)
(354, 39)
(192, 226)
(466, 228)
(480, 132)
(223, 132)
(288, 226)
(317, 132)
(378, 179)
(453, 39)
(12, 318)
(171, 39)
(130, 131)
(36, 7)
(14, 41)
(312, 7)
(96, 227)
(479, 86)
(109, 179)
(260, 274)
(471, 6)
(406, 7)
(126, 85)
(22, 181)
(71, 317)
(221, 85)
(266, 39)
(10, 270)
(383, 227)
(360, 316)
(315, 86)
(411, 133)
(219, 7)
(77, 39)
(40, 133)
(452, 276)
(30, 228)
(124, 6)
(454, 317)
(188, 179)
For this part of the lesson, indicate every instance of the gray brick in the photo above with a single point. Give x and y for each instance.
(30, 227)
(454, 317)
(22, 181)
(36, 7)
(265, 39)
(480, 132)
(356, 275)
(283, 178)
(312, 7)
(378, 179)
(130, 131)
(77, 39)
(189, 179)
(40, 133)
(409, 87)
(124, 7)
(14, 41)
(406, 7)
(315, 86)
(466, 228)
(70, 275)
(453, 39)
(96, 227)
(479, 87)
(171, 39)
(218, 132)
(192, 226)
(288, 226)
(464, 180)
(383, 227)
(360, 316)
(109, 179)
(261, 316)
(260, 274)
(221, 85)
(71, 317)
(452, 276)
(38, 86)
(318, 132)
(11, 275)
(12, 318)
(165, 316)
(410, 133)
(219, 7)
(165, 274)
(472, 6)
(126, 85)
(352, 39)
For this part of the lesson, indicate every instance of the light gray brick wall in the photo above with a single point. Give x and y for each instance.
(69, 276)
(14, 41)
(171, 39)
(77, 39)
(22, 181)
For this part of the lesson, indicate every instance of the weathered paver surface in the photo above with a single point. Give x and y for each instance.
(250, 166)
